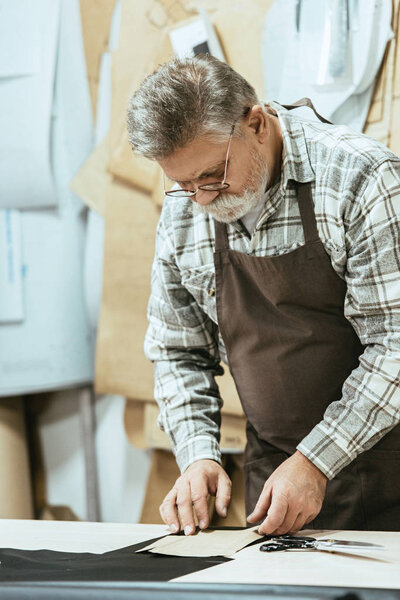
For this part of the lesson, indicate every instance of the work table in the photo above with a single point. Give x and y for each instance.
(377, 569)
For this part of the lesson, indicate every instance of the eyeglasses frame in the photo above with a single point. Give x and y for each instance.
(224, 183)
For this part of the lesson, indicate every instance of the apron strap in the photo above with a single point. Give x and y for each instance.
(221, 236)
(306, 102)
(307, 213)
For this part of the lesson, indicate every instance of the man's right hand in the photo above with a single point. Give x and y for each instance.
(201, 479)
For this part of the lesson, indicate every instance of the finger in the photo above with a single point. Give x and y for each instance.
(185, 508)
(262, 506)
(199, 494)
(169, 512)
(276, 515)
(310, 518)
(288, 523)
(223, 495)
(298, 524)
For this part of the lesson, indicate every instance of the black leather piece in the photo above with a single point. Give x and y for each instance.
(118, 565)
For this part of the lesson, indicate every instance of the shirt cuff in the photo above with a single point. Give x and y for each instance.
(197, 448)
(326, 450)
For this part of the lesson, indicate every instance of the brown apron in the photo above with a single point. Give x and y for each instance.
(290, 349)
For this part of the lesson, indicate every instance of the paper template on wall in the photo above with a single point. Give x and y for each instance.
(308, 50)
(11, 303)
(53, 348)
(196, 37)
(28, 42)
(94, 247)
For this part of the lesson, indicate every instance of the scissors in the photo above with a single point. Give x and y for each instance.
(293, 542)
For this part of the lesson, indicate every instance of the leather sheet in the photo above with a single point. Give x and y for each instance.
(123, 564)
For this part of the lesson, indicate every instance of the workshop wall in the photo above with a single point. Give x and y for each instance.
(115, 200)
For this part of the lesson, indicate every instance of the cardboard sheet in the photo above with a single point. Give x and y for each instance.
(205, 543)
(143, 432)
(92, 180)
(96, 21)
(396, 83)
(379, 124)
(121, 366)
(16, 495)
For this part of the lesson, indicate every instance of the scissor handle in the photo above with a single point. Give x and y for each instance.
(287, 538)
(274, 547)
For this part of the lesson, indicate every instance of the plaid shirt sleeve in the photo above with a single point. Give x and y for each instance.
(370, 404)
(181, 340)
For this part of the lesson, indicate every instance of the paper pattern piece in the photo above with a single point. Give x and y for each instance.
(96, 19)
(27, 70)
(209, 542)
(11, 301)
(297, 73)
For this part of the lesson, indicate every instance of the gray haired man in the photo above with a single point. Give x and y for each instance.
(278, 250)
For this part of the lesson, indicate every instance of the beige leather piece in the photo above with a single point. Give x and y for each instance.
(205, 543)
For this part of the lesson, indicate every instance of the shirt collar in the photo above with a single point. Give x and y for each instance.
(296, 165)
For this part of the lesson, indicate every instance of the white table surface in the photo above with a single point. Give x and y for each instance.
(375, 569)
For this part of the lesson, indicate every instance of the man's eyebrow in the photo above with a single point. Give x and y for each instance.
(209, 171)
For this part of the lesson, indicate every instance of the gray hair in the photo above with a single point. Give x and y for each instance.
(185, 99)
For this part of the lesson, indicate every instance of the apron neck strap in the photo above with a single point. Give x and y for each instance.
(307, 213)
(306, 102)
(221, 236)
(306, 207)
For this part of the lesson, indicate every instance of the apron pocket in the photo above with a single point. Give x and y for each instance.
(379, 472)
(343, 506)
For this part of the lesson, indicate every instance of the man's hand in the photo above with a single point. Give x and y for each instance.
(190, 492)
(292, 496)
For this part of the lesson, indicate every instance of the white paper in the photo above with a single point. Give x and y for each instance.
(197, 37)
(11, 300)
(292, 65)
(53, 347)
(26, 99)
(20, 51)
(186, 37)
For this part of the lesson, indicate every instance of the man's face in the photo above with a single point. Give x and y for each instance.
(203, 161)
(228, 207)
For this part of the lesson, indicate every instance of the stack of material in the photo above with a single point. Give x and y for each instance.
(383, 121)
(126, 190)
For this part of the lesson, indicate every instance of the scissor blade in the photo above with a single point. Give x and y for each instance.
(345, 545)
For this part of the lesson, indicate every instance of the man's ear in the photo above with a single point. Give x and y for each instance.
(257, 121)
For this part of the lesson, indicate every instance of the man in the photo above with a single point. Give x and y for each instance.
(278, 250)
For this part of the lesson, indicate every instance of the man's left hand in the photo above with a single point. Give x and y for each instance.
(291, 497)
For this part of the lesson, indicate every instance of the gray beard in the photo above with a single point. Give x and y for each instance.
(228, 208)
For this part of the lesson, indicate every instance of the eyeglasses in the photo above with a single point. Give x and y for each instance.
(215, 186)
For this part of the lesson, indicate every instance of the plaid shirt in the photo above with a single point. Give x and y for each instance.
(356, 190)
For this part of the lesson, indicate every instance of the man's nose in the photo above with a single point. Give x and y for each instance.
(203, 197)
